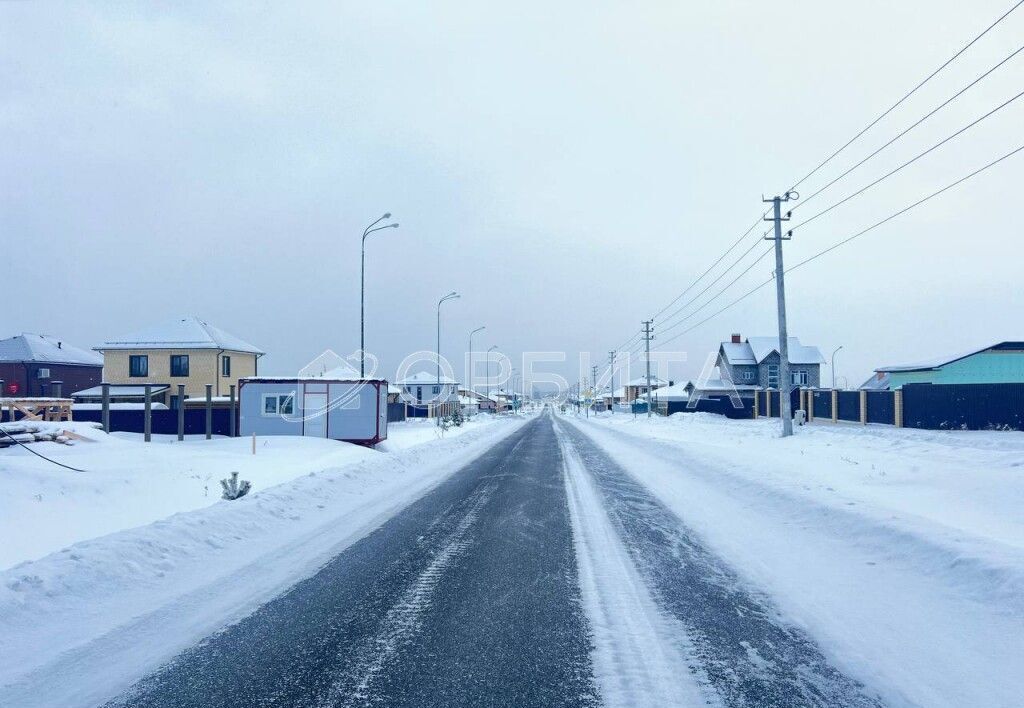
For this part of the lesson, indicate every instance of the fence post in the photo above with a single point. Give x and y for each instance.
(147, 417)
(181, 412)
(209, 411)
(810, 405)
(863, 407)
(768, 403)
(105, 415)
(231, 434)
(898, 407)
(757, 395)
(835, 406)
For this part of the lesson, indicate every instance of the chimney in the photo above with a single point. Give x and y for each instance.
(60, 345)
(737, 338)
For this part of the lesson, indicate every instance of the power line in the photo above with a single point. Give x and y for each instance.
(906, 130)
(840, 150)
(707, 287)
(710, 268)
(722, 291)
(908, 94)
(847, 240)
(908, 162)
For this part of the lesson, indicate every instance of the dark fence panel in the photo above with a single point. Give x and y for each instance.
(719, 405)
(822, 404)
(164, 421)
(963, 406)
(849, 405)
(396, 412)
(881, 407)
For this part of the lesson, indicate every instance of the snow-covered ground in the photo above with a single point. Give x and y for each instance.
(900, 551)
(126, 483)
(144, 558)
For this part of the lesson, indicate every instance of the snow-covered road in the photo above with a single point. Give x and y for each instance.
(555, 561)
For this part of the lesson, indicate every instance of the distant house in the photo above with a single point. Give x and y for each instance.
(30, 363)
(477, 401)
(755, 362)
(998, 363)
(426, 395)
(879, 381)
(185, 351)
(638, 387)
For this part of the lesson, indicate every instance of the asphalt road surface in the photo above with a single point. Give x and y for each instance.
(470, 597)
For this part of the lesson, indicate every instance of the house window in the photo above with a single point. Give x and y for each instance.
(225, 366)
(278, 404)
(437, 390)
(138, 365)
(799, 378)
(773, 376)
(42, 373)
(179, 364)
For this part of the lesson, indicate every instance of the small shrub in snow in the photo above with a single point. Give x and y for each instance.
(232, 488)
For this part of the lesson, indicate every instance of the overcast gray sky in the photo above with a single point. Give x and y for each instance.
(568, 167)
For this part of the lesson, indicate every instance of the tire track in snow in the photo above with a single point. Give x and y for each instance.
(639, 654)
(403, 620)
(751, 656)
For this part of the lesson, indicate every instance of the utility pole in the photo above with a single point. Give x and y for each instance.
(593, 387)
(611, 382)
(648, 336)
(785, 383)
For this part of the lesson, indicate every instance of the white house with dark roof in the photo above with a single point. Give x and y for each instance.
(755, 362)
(185, 351)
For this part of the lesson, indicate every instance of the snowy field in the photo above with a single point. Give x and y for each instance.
(901, 552)
(138, 557)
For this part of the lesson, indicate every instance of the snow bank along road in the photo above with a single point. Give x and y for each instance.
(571, 564)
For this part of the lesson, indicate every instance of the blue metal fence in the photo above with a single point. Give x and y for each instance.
(720, 405)
(848, 405)
(964, 406)
(881, 407)
(822, 404)
(164, 421)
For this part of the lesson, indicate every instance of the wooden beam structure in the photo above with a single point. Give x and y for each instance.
(45, 409)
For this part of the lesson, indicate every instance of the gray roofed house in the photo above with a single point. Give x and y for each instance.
(755, 362)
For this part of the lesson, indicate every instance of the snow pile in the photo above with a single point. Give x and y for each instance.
(900, 551)
(81, 624)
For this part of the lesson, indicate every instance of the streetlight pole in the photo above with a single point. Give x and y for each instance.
(450, 296)
(834, 366)
(469, 374)
(489, 377)
(362, 289)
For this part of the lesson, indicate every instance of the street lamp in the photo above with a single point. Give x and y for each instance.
(362, 288)
(450, 296)
(489, 376)
(469, 374)
(834, 366)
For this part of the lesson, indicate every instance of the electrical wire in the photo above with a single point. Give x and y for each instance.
(37, 454)
(907, 95)
(906, 130)
(847, 240)
(909, 162)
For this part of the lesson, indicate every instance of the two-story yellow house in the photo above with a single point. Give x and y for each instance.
(185, 351)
